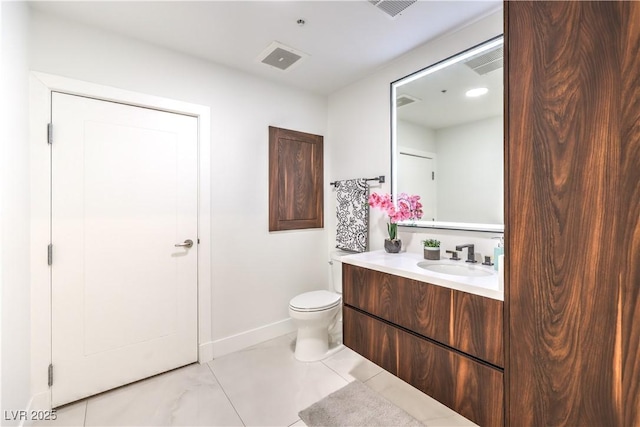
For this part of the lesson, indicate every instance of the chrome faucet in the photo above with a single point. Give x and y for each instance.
(471, 256)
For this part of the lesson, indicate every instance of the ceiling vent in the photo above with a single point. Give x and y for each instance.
(486, 61)
(405, 99)
(282, 57)
(392, 8)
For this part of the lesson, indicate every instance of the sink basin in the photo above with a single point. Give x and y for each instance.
(455, 269)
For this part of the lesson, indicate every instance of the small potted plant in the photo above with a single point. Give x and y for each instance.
(431, 249)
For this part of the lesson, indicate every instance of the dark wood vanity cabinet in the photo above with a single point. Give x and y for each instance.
(444, 342)
(469, 323)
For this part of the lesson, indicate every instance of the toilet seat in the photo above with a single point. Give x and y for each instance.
(315, 301)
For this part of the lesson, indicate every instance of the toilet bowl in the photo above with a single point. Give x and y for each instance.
(315, 313)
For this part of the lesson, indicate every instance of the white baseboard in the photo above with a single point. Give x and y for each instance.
(251, 337)
(38, 402)
(205, 352)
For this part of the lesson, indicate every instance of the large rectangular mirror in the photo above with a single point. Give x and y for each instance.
(447, 139)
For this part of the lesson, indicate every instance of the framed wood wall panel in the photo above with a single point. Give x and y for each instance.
(296, 198)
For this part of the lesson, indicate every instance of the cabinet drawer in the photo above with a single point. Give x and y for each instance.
(372, 338)
(420, 307)
(469, 323)
(477, 326)
(468, 387)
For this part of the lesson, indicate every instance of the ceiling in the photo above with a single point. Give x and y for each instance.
(441, 100)
(345, 40)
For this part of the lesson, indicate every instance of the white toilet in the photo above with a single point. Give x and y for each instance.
(315, 313)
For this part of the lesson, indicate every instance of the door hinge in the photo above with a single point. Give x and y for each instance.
(50, 377)
(433, 176)
(50, 133)
(50, 254)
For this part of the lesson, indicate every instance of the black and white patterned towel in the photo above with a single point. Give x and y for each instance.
(352, 231)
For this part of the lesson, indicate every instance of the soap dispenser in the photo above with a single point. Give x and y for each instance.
(497, 251)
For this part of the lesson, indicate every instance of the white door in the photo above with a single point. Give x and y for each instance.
(124, 193)
(418, 177)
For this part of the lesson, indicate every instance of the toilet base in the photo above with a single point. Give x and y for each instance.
(312, 344)
(314, 348)
(314, 327)
(312, 341)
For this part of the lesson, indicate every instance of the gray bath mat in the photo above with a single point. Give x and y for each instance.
(356, 405)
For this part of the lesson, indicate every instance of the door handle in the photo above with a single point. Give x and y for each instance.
(187, 244)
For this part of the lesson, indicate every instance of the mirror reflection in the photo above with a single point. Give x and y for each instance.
(447, 139)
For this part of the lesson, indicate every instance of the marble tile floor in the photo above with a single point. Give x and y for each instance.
(260, 386)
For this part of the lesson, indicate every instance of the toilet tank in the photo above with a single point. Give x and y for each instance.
(335, 260)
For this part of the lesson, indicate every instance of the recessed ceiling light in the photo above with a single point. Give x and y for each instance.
(479, 91)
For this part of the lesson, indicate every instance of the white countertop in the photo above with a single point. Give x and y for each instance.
(404, 264)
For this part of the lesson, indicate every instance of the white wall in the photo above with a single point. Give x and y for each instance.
(411, 135)
(255, 272)
(359, 131)
(14, 209)
(470, 165)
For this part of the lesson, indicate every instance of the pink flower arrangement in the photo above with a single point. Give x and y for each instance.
(406, 208)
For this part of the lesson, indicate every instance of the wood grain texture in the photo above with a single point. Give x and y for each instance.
(469, 323)
(296, 160)
(468, 387)
(472, 389)
(629, 224)
(296, 199)
(417, 306)
(372, 339)
(572, 213)
(477, 327)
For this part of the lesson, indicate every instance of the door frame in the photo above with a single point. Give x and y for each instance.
(418, 153)
(41, 85)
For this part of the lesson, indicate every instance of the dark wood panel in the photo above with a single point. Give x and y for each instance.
(296, 161)
(425, 309)
(565, 215)
(477, 327)
(373, 339)
(468, 387)
(296, 199)
(629, 244)
(473, 324)
(418, 306)
(371, 291)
